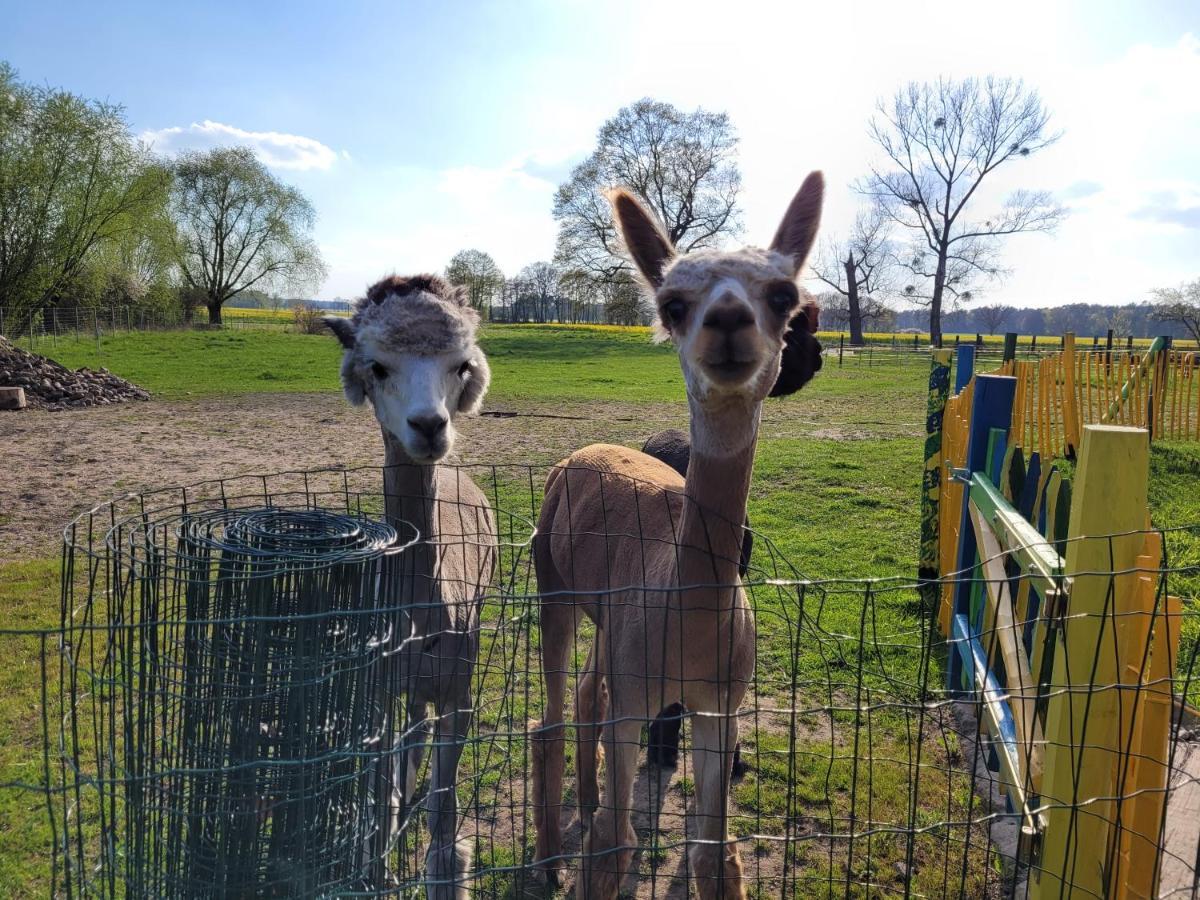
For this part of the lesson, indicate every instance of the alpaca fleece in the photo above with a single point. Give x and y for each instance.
(425, 316)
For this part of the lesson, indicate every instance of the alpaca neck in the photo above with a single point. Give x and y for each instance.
(410, 490)
(724, 436)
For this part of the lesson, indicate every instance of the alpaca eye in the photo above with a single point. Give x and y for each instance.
(781, 299)
(675, 309)
(379, 371)
(465, 369)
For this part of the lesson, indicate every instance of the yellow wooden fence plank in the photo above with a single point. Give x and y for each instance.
(1082, 717)
(1142, 785)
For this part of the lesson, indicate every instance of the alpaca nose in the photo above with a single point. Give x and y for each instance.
(729, 317)
(429, 427)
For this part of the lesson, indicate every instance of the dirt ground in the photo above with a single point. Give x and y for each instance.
(55, 465)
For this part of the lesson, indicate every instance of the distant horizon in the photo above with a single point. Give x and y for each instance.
(461, 140)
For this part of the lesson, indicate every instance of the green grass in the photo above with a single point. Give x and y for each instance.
(528, 362)
(836, 489)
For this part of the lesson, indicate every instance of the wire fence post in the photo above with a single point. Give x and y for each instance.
(1010, 346)
(841, 348)
(1084, 741)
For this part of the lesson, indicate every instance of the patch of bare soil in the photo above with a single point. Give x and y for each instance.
(664, 818)
(54, 466)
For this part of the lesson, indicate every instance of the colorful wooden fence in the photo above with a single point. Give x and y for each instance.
(1048, 597)
(1157, 389)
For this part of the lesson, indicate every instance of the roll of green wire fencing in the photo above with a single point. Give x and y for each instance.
(232, 673)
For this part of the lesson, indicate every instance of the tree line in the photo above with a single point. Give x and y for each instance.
(90, 216)
(925, 235)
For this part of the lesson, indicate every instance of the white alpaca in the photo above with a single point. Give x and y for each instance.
(410, 348)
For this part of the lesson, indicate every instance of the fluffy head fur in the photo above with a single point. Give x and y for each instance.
(728, 312)
(410, 346)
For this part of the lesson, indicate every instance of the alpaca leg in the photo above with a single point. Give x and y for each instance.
(449, 859)
(546, 744)
(409, 753)
(397, 784)
(591, 708)
(609, 846)
(716, 865)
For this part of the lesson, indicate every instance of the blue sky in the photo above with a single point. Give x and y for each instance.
(421, 128)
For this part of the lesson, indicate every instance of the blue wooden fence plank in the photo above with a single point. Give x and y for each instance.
(991, 408)
(964, 366)
(970, 654)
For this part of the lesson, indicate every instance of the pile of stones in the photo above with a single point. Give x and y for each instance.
(48, 385)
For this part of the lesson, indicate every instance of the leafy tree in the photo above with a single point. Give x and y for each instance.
(681, 164)
(860, 268)
(478, 272)
(71, 179)
(238, 227)
(1180, 306)
(941, 141)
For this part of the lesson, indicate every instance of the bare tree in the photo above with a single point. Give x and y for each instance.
(1181, 306)
(874, 315)
(680, 163)
(238, 227)
(861, 268)
(941, 141)
(994, 317)
(540, 283)
(478, 272)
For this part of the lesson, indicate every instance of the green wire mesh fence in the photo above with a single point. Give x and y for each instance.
(224, 711)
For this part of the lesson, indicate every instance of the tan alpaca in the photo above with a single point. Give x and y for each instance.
(652, 558)
(411, 348)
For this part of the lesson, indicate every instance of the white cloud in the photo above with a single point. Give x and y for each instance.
(276, 149)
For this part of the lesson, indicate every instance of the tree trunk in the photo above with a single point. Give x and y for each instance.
(855, 312)
(214, 313)
(935, 307)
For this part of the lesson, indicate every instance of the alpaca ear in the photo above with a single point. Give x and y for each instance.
(342, 329)
(352, 385)
(647, 243)
(473, 391)
(812, 313)
(798, 229)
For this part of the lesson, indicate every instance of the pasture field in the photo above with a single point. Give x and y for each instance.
(836, 488)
